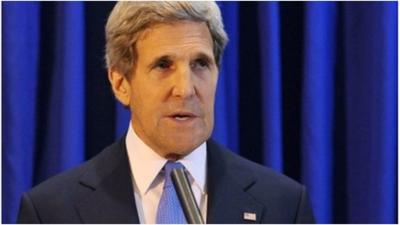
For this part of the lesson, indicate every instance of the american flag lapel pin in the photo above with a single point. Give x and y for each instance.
(249, 216)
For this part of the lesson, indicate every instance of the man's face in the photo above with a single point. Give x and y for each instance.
(173, 86)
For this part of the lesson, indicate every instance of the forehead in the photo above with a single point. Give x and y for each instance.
(175, 38)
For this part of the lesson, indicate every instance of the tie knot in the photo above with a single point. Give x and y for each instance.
(170, 165)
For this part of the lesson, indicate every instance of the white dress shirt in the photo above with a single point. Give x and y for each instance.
(148, 182)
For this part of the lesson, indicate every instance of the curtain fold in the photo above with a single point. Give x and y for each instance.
(307, 88)
(227, 89)
(61, 128)
(20, 26)
(269, 31)
(369, 87)
(318, 104)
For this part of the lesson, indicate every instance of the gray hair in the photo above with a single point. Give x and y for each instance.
(129, 19)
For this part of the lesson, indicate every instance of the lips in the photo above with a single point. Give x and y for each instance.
(182, 116)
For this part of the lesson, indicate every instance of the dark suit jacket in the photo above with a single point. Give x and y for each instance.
(100, 191)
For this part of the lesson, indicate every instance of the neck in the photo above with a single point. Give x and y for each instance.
(173, 157)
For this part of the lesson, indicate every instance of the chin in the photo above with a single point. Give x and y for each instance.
(184, 145)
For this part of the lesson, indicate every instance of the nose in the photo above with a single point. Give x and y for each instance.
(183, 85)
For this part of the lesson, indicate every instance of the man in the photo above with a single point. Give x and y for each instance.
(163, 60)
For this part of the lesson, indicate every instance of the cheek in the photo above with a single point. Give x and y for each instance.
(209, 99)
(139, 102)
(147, 102)
(141, 106)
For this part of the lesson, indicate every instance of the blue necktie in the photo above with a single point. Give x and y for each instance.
(169, 209)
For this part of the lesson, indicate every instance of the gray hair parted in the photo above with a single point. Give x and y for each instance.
(129, 19)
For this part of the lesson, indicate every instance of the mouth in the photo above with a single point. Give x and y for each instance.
(182, 116)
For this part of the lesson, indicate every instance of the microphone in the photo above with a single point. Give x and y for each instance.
(186, 197)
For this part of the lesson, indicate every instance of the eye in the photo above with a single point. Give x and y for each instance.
(163, 64)
(200, 64)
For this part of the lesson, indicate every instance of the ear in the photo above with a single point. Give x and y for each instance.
(120, 86)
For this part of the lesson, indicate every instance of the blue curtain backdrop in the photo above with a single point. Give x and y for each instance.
(307, 88)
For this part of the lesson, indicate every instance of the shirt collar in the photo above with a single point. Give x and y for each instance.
(146, 164)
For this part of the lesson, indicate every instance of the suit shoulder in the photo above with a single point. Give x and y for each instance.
(264, 175)
(62, 192)
(61, 184)
(284, 199)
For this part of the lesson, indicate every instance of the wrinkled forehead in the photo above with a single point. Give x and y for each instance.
(181, 37)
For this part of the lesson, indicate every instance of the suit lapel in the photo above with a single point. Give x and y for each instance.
(107, 191)
(228, 201)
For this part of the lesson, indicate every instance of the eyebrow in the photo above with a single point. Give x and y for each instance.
(157, 59)
(201, 55)
(206, 57)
